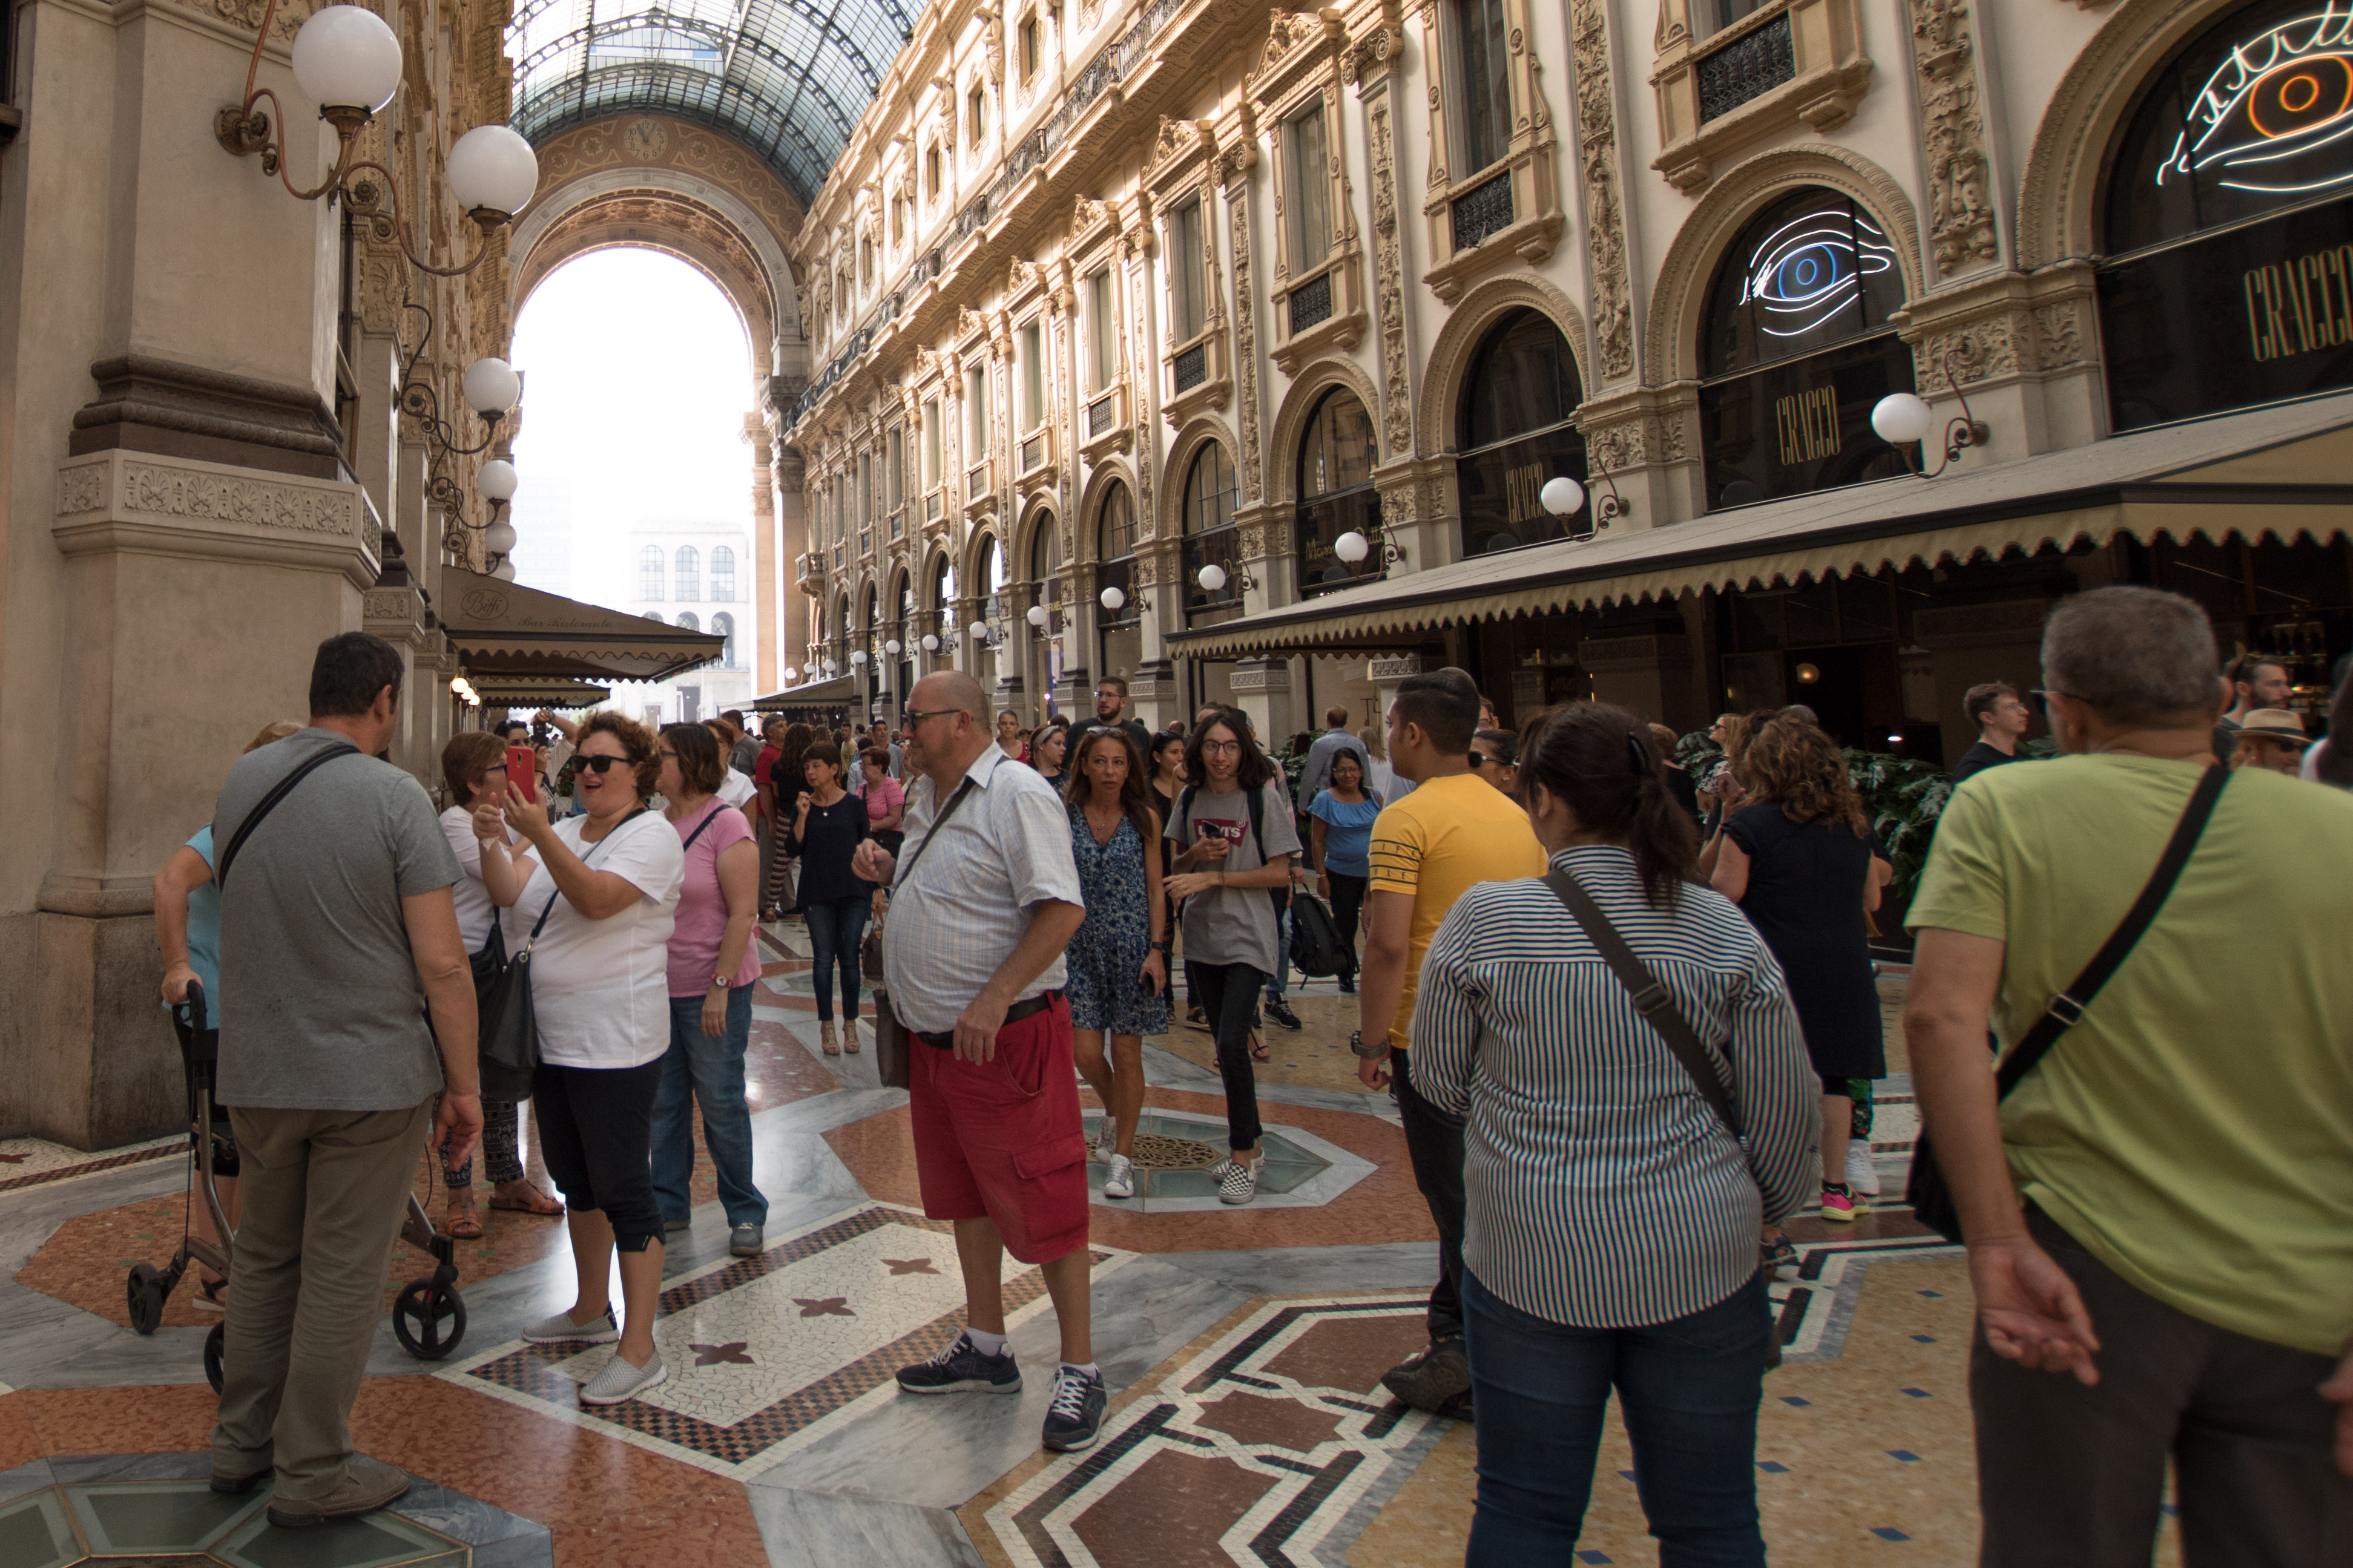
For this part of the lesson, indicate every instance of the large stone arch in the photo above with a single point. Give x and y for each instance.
(1671, 346)
(1114, 471)
(1170, 521)
(2066, 165)
(1307, 390)
(1033, 514)
(1479, 308)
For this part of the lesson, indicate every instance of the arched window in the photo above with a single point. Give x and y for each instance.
(1120, 628)
(724, 625)
(1210, 537)
(655, 616)
(941, 605)
(906, 628)
(722, 575)
(1796, 350)
(2228, 221)
(1046, 559)
(649, 575)
(1336, 494)
(992, 576)
(687, 622)
(688, 574)
(1514, 433)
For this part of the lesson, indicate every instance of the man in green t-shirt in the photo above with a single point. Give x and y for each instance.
(2163, 1209)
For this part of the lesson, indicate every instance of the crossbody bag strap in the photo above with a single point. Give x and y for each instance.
(938, 823)
(2066, 1009)
(268, 804)
(1650, 997)
(549, 908)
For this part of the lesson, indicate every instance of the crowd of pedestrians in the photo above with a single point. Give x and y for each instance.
(1629, 1016)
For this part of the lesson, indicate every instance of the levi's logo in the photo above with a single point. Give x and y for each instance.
(1231, 831)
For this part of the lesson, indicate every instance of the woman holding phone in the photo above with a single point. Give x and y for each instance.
(826, 823)
(1118, 962)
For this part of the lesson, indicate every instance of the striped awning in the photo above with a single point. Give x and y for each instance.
(2281, 473)
(537, 692)
(502, 628)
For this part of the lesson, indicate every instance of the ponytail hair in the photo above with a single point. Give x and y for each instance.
(1601, 762)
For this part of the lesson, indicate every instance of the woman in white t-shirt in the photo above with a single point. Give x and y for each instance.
(606, 888)
(474, 767)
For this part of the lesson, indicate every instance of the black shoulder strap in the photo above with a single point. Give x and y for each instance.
(1183, 811)
(268, 804)
(698, 826)
(938, 823)
(549, 908)
(1650, 997)
(2066, 1008)
(1257, 798)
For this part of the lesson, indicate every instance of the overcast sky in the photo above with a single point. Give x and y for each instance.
(636, 377)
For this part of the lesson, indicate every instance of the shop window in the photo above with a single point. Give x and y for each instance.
(1483, 90)
(1210, 537)
(941, 610)
(1336, 494)
(1119, 631)
(2228, 221)
(649, 575)
(992, 575)
(722, 575)
(1516, 433)
(1795, 351)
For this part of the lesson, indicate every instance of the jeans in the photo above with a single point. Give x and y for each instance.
(1347, 910)
(2073, 1475)
(835, 929)
(1433, 1142)
(1689, 1389)
(709, 1070)
(1229, 994)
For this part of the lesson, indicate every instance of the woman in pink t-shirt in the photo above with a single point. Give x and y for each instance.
(886, 800)
(713, 967)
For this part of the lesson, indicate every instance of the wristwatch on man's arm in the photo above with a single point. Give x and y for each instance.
(1357, 1044)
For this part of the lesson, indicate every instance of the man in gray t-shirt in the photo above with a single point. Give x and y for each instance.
(338, 934)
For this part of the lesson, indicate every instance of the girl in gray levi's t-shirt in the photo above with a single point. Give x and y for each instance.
(1234, 925)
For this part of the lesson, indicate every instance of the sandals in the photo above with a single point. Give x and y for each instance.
(1258, 1053)
(539, 1203)
(826, 1040)
(466, 1227)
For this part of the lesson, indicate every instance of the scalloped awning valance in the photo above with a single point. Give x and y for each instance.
(501, 629)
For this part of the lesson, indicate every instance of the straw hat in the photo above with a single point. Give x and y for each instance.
(2276, 724)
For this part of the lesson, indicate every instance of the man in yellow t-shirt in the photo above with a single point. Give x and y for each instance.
(2184, 1153)
(1451, 833)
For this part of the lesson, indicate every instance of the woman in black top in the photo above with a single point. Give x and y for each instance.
(1801, 860)
(825, 832)
(1166, 783)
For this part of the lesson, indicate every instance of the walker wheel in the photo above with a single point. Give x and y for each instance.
(216, 1352)
(429, 1318)
(143, 1294)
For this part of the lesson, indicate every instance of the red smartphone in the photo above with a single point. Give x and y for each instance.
(522, 770)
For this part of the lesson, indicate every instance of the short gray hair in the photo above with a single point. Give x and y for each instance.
(2138, 656)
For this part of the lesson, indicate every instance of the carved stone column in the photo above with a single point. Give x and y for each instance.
(1234, 167)
(1607, 284)
(766, 567)
(1375, 61)
(1261, 690)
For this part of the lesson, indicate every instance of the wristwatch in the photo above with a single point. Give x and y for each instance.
(719, 983)
(1357, 1044)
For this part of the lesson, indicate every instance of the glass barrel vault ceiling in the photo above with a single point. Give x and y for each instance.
(786, 78)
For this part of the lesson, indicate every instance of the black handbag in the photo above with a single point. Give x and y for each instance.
(506, 1047)
(1925, 1191)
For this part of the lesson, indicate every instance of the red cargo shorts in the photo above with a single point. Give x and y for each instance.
(1003, 1140)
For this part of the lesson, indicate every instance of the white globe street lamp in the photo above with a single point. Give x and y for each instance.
(1562, 497)
(931, 642)
(347, 61)
(1901, 418)
(492, 169)
(1113, 599)
(499, 539)
(497, 479)
(1037, 616)
(1351, 547)
(1212, 578)
(492, 387)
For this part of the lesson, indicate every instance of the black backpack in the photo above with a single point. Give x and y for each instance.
(1317, 944)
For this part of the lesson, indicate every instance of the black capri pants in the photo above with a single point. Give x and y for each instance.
(595, 1133)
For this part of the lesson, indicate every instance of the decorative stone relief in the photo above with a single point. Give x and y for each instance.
(1961, 209)
(154, 491)
(1233, 170)
(1604, 220)
(1618, 447)
(1140, 285)
(1388, 276)
(1969, 354)
(1177, 137)
(2058, 337)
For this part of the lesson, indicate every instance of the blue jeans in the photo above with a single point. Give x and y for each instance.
(1690, 1387)
(835, 929)
(708, 1069)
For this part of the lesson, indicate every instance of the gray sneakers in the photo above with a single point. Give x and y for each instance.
(620, 1383)
(746, 1240)
(560, 1329)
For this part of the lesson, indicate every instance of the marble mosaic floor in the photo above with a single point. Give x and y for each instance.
(1243, 1348)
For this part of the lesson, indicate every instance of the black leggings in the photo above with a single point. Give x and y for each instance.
(1229, 992)
(1347, 905)
(595, 1132)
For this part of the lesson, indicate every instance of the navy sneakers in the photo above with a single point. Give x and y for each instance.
(963, 1366)
(1074, 1419)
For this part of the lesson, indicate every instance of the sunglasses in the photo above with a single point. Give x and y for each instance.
(601, 765)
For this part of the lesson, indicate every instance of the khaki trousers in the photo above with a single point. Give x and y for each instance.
(322, 1197)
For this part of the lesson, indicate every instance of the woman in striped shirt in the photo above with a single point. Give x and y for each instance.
(1613, 1215)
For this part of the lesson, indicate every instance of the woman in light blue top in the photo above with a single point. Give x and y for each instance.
(1340, 848)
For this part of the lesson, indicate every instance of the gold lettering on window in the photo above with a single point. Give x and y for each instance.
(1523, 492)
(2300, 305)
(1808, 424)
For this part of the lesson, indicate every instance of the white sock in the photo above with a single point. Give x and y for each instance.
(1086, 1371)
(986, 1342)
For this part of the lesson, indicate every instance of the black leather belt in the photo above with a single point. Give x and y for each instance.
(1013, 1015)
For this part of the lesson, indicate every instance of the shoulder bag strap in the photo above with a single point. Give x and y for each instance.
(549, 908)
(698, 826)
(1650, 998)
(938, 823)
(278, 791)
(2066, 1008)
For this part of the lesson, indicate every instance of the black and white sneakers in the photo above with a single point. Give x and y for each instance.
(963, 1366)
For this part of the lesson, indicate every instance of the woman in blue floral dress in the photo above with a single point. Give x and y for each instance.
(1118, 962)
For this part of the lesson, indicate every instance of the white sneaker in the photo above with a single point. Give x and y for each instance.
(1238, 1181)
(1861, 1176)
(1121, 1183)
(617, 1382)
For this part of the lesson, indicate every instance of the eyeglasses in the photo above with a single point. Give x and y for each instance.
(1479, 760)
(600, 764)
(1222, 748)
(914, 716)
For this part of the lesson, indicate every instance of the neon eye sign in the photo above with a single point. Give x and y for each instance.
(2272, 115)
(1805, 272)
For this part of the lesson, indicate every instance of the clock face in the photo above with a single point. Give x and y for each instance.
(647, 138)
